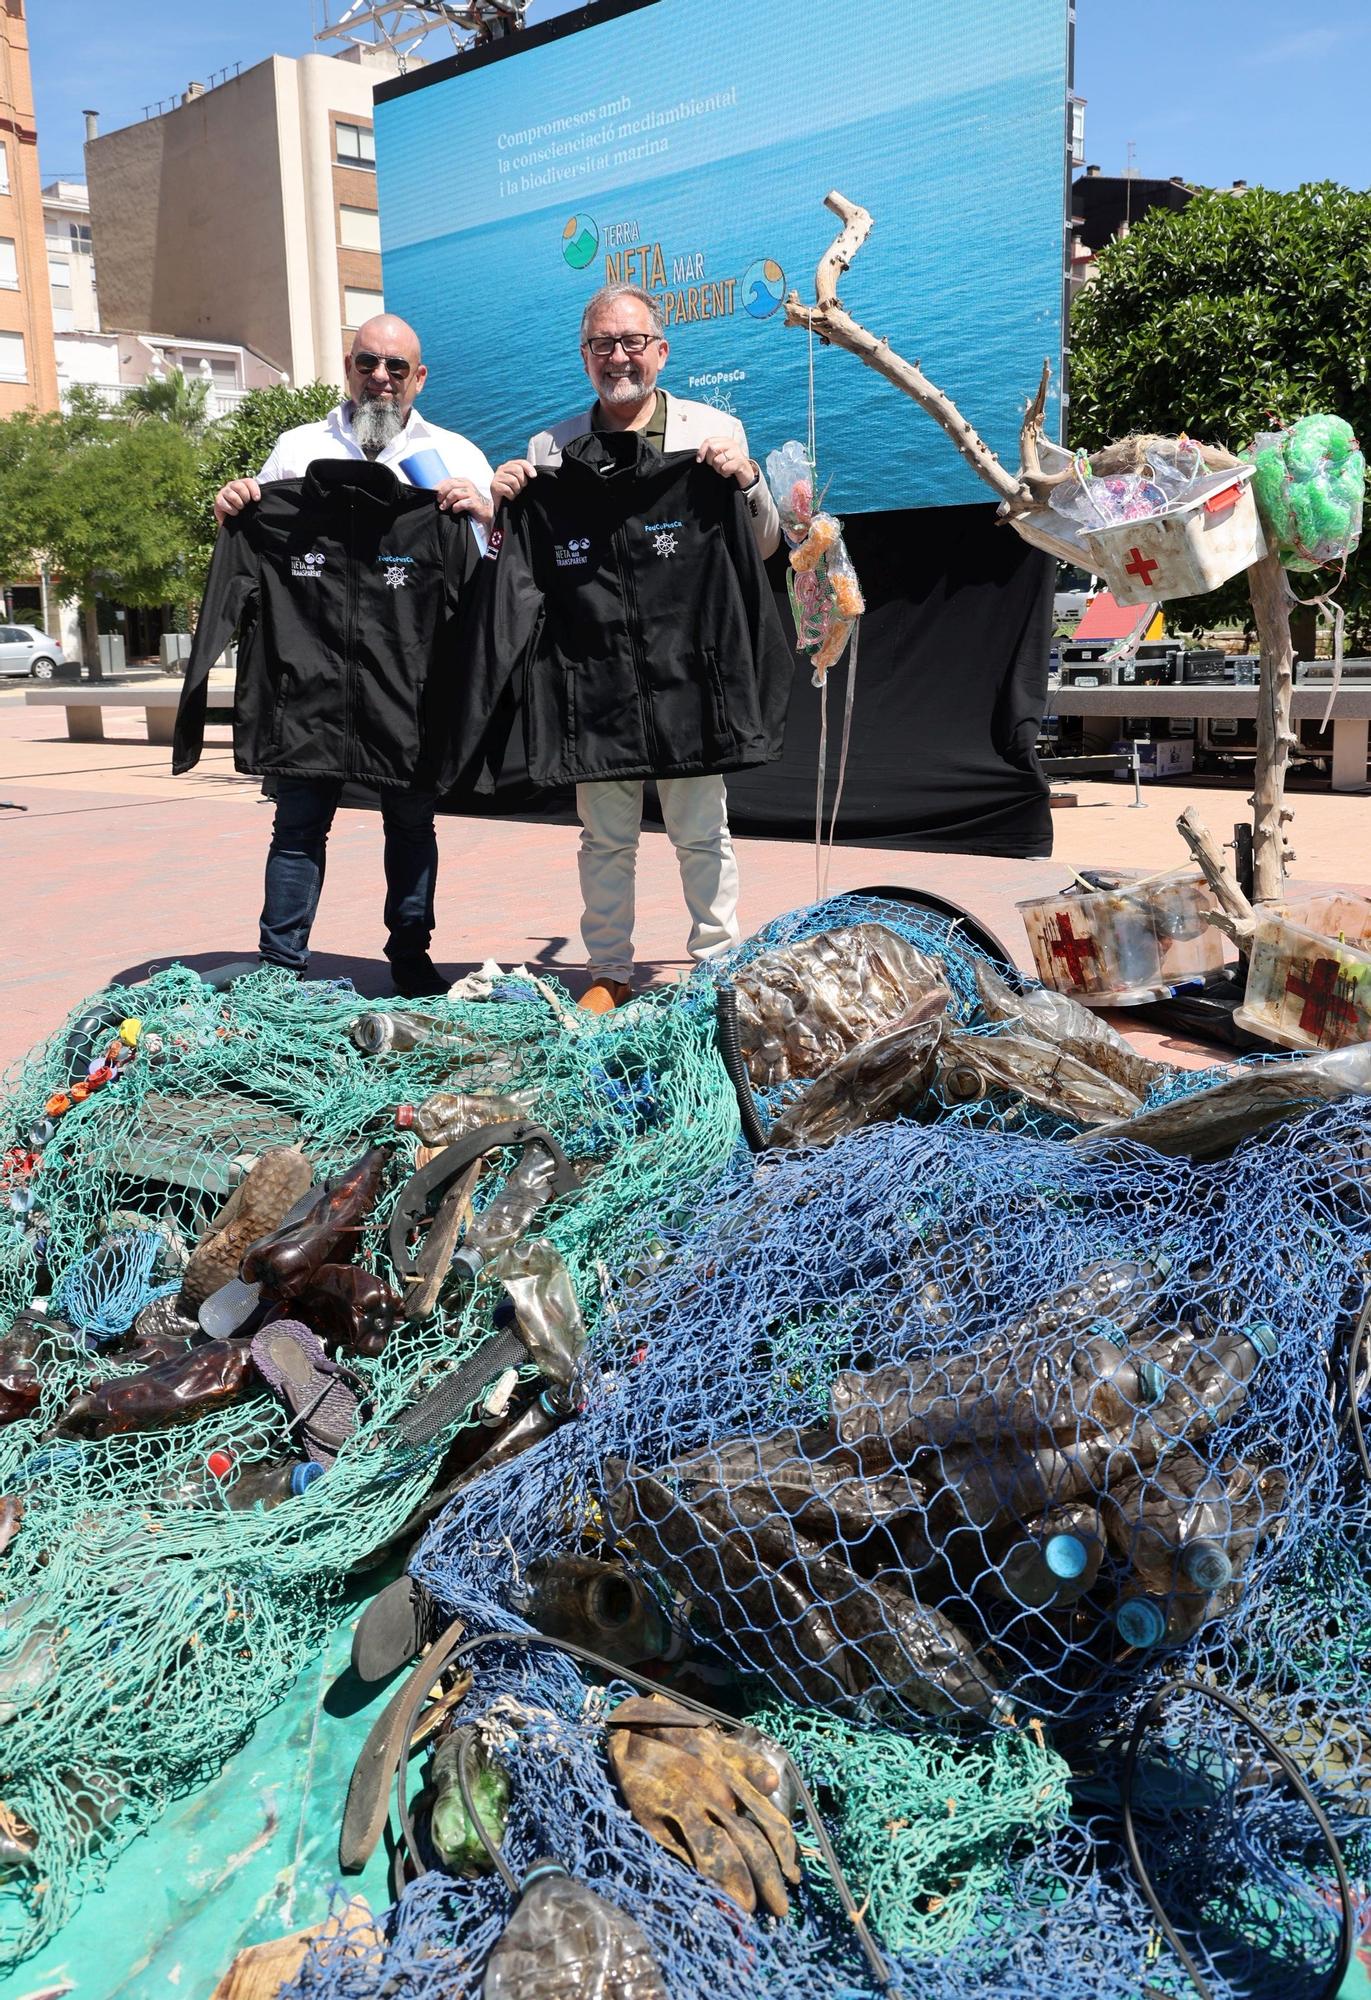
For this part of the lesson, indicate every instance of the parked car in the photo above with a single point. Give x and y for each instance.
(26, 651)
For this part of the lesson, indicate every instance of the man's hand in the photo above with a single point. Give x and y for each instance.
(511, 478)
(728, 460)
(460, 496)
(234, 497)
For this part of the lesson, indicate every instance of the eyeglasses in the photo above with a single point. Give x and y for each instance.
(602, 345)
(395, 364)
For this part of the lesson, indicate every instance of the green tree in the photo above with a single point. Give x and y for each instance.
(107, 504)
(1236, 314)
(238, 446)
(171, 397)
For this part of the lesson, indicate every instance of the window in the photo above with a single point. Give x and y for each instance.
(4, 168)
(12, 368)
(63, 319)
(9, 269)
(359, 229)
(355, 146)
(359, 306)
(59, 270)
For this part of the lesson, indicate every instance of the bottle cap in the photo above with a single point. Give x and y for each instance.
(220, 1463)
(1206, 1565)
(1139, 1621)
(1151, 1384)
(404, 1117)
(1263, 1337)
(541, 1868)
(1065, 1555)
(304, 1475)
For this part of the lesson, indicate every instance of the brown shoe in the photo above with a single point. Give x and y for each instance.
(605, 995)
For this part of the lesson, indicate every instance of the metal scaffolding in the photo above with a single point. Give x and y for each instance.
(404, 27)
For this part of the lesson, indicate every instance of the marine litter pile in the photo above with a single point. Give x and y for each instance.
(981, 1444)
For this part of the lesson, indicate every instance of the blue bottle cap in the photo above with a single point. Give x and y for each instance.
(305, 1475)
(1151, 1384)
(1139, 1621)
(1263, 1337)
(1065, 1555)
(1206, 1565)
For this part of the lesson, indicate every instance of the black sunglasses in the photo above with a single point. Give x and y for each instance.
(395, 364)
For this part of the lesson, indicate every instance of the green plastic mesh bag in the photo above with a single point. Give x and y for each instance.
(1309, 483)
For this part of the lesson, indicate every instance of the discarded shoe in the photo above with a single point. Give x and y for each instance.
(257, 1206)
(319, 1392)
(284, 1262)
(394, 1629)
(605, 995)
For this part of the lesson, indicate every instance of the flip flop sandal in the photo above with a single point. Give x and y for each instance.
(257, 1206)
(324, 1396)
(394, 1629)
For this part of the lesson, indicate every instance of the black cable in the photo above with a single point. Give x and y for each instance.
(1351, 1360)
(730, 1049)
(451, 1647)
(502, 1867)
(1301, 1790)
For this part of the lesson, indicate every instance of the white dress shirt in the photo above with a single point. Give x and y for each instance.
(295, 451)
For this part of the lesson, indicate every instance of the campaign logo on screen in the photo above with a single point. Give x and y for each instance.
(763, 288)
(580, 241)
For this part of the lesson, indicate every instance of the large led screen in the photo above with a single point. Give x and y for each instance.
(687, 145)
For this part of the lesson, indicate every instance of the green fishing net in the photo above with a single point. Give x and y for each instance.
(1309, 484)
(141, 1633)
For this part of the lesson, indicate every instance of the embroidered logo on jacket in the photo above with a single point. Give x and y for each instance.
(310, 565)
(664, 544)
(497, 536)
(572, 554)
(396, 574)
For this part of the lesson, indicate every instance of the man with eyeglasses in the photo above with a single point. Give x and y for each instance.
(377, 421)
(623, 350)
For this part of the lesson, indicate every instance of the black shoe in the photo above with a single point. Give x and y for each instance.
(418, 979)
(394, 1629)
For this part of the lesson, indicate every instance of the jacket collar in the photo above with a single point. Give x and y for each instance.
(611, 454)
(327, 478)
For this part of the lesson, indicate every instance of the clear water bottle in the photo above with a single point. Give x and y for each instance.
(1182, 1527)
(1052, 1561)
(450, 1115)
(564, 1942)
(510, 1214)
(1210, 1372)
(399, 1031)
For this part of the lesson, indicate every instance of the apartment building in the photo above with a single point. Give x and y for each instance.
(28, 373)
(247, 214)
(71, 264)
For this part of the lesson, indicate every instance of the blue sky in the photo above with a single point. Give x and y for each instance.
(1214, 90)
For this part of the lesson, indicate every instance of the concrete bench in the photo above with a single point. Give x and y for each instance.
(86, 704)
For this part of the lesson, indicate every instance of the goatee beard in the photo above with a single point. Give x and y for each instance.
(376, 421)
(623, 389)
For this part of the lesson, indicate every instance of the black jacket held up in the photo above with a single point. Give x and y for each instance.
(624, 606)
(346, 585)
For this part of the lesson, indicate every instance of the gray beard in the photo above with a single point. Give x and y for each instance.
(377, 422)
(624, 389)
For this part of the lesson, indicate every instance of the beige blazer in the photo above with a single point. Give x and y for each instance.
(687, 426)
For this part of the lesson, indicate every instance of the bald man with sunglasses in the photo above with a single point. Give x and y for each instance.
(377, 420)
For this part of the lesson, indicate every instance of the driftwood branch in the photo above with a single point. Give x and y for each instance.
(832, 324)
(1021, 493)
(1236, 917)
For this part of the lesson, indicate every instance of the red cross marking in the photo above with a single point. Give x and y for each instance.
(1074, 949)
(1141, 566)
(1326, 997)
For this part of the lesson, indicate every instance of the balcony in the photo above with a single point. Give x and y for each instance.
(221, 402)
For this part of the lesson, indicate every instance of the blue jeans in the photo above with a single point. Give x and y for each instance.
(295, 869)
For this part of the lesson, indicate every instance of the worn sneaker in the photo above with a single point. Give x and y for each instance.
(605, 995)
(418, 979)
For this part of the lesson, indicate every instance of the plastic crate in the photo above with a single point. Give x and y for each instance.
(1122, 946)
(1197, 544)
(1309, 974)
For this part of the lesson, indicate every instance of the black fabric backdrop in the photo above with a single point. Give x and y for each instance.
(951, 685)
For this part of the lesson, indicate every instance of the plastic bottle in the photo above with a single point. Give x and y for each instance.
(1053, 1561)
(1210, 1373)
(1143, 1619)
(458, 1845)
(449, 1115)
(509, 1215)
(218, 1482)
(380, 1034)
(1183, 1527)
(601, 1605)
(565, 1943)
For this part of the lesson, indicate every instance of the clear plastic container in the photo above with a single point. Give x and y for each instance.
(1121, 946)
(1304, 989)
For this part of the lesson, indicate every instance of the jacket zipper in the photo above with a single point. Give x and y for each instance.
(630, 591)
(349, 629)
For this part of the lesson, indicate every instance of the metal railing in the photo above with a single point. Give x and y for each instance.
(219, 403)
